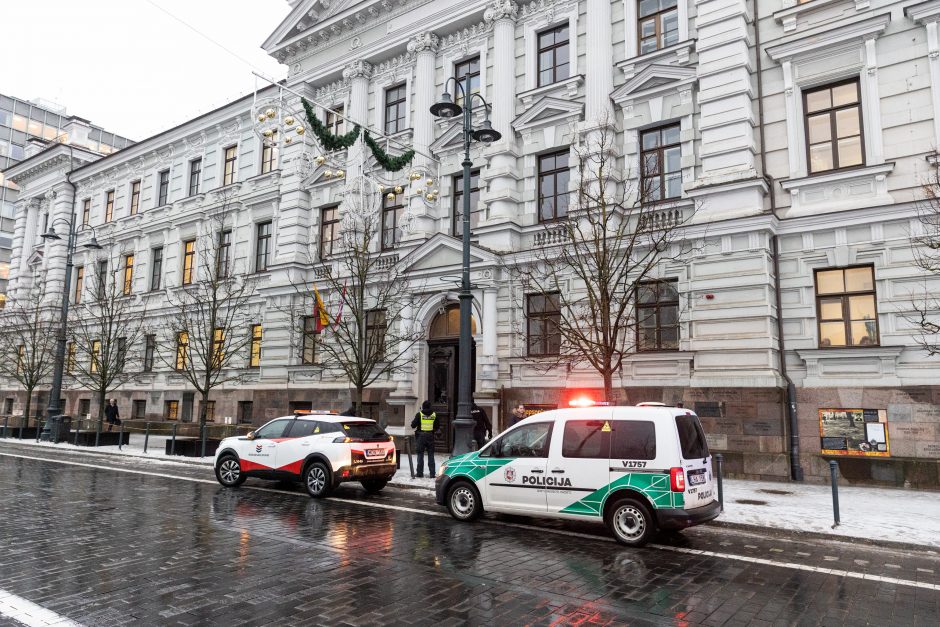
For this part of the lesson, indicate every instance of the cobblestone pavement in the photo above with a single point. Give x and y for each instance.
(103, 543)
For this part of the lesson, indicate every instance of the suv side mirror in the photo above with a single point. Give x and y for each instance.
(250, 435)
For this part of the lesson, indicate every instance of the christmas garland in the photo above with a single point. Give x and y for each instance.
(390, 163)
(328, 140)
(331, 142)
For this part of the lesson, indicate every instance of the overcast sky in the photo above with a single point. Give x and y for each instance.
(129, 67)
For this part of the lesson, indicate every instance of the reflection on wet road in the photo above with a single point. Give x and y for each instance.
(107, 547)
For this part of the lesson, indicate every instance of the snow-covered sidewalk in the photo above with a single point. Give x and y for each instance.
(868, 513)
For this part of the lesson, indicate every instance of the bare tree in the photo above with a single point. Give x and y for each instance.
(208, 322)
(583, 278)
(368, 334)
(28, 329)
(926, 247)
(106, 327)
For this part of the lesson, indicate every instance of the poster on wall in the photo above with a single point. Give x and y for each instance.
(855, 432)
(532, 408)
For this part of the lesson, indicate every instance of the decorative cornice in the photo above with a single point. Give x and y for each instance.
(390, 65)
(501, 10)
(424, 42)
(465, 36)
(329, 91)
(358, 69)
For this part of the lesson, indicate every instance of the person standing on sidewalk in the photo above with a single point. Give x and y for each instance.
(482, 427)
(425, 426)
(518, 413)
(111, 414)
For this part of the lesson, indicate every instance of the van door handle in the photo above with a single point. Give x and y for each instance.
(538, 470)
(559, 470)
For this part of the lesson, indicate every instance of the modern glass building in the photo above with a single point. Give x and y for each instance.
(25, 120)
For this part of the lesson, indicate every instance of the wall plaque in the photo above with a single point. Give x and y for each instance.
(854, 432)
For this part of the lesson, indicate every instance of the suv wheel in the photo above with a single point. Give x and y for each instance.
(630, 522)
(317, 480)
(229, 472)
(374, 486)
(463, 502)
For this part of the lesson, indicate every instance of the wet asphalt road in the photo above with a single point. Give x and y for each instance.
(99, 542)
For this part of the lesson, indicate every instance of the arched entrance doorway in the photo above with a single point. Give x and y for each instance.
(444, 372)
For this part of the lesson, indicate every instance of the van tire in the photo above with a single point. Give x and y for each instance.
(464, 502)
(629, 521)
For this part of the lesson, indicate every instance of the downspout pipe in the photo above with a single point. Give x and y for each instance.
(796, 469)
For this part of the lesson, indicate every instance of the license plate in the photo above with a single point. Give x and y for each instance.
(375, 453)
(697, 478)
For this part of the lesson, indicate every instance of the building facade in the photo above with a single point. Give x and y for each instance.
(26, 126)
(793, 138)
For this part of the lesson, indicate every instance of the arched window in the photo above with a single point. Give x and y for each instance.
(447, 324)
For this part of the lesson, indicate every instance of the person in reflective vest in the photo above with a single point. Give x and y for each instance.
(425, 426)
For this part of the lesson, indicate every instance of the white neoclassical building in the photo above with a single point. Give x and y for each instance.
(794, 136)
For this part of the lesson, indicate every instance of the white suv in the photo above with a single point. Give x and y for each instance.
(321, 449)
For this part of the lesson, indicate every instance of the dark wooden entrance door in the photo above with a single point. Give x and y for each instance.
(443, 377)
(187, 411)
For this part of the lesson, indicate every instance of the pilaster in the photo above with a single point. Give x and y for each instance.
(600, 51)
(424, 46)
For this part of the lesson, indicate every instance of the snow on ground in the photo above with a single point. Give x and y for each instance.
(886, 514)
(156, 449)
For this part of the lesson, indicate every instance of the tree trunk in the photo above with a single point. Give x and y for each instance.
(357, 401)
(203, 411)
(29, 404)
(102, 401)
(608, 386)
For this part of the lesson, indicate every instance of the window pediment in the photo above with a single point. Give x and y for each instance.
(443, 251)
(548, 111)
(820, 39)
(653, 80)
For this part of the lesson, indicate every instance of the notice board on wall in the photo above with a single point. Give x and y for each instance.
(854, 432)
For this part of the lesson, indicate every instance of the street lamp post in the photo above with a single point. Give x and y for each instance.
(447, 108)
(58, 366)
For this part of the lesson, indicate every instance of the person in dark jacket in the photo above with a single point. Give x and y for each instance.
(482, 427)
(111, 414)
(425, 426)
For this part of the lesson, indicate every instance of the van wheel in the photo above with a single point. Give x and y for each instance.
(464, 502)
(229, 472)
(630, 522)
(317, 480)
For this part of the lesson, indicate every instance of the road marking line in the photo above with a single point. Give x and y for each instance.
(503, 523)
(26, 612)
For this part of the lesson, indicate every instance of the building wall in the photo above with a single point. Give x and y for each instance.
(728, 365)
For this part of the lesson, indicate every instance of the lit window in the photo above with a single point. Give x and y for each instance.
(182, 350)
(231, 154)
(847, 307)
(79, 279)
(254, 355)
(95, 356)
(128, 274)
(171, 410)
(135, 197)
(834, 137)
(218, 347)
(189, 261)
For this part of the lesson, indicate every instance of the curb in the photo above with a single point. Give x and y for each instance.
(817, 535)
(176, 459)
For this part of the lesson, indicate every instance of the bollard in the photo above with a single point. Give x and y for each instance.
(173, 441)
(411, 463)
(78, 430)
(98, 433)
(719, 459)
(121, 436)
(22, 424)
(6, 421)
(203, 436)
(834, 476)
(38, 429)
(146, 437)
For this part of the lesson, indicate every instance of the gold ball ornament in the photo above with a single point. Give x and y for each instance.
(429, 182)
(301, 130)
(320, 160)
(270, 113)
(398, 189)
(429, 196)
(268, 132)
(435, 191)
(340, 174)
(390, 196)
(261, 117)
(288, 140)
(328, 174)
(415, 176)
(289, 120)
(381, 188)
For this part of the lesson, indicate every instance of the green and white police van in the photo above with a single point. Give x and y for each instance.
(637, 469)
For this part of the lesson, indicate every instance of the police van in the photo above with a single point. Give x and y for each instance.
(637, 469)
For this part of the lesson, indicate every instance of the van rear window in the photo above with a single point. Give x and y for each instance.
(633, 439)
(691, 437)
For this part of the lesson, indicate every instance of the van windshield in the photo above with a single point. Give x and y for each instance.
(691, 437)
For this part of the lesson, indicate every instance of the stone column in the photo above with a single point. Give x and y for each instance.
(599, 73)
(60, 212)
(489, 368)
(501, 196)
(27, 213)
(424, 46)
(358, 73)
